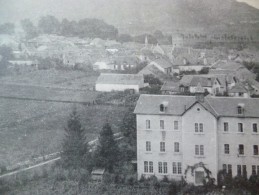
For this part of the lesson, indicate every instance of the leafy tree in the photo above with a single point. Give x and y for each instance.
(29, 28)
(152, 80)
(107, 152)
(75, 149)
(5, 56)
(49, 25)
(7, 28)
(204, 70)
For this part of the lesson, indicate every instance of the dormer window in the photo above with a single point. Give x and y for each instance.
(163, 106)
(240, 109)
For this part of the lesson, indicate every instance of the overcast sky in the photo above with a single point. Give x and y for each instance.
(15, 10)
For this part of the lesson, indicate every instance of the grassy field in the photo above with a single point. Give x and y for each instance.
(33, 128)
(29, 129)
(53, 78)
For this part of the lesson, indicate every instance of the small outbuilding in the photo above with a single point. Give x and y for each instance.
(97, 174)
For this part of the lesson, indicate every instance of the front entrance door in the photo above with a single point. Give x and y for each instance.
(199, 177)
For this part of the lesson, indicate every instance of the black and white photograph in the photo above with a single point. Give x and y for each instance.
(129, 97)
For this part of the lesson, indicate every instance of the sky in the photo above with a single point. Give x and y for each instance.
(254, 3)
(15, 10)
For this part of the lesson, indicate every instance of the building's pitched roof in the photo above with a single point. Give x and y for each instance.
(204, 80)
(178, 105)
(163, 63)
(227, 106)
(238, 88)
(172, 86)
(149, 104)
(125, 79)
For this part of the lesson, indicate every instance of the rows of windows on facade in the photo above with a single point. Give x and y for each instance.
(199, 149)
(162, 167)
(241, 169)
(199, 126)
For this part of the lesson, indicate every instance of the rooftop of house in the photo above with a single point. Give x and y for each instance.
(125, 79)
(238, 88)
(162, 62)
(178, 105)
(204, 80)
(172, 86)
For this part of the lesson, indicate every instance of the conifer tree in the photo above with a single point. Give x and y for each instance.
(107, 152)
(75, 149)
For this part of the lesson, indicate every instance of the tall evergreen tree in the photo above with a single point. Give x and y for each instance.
(107, 152)
(75, 149)
(128, 129)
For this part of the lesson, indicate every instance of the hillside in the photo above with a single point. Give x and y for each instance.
(134, 16)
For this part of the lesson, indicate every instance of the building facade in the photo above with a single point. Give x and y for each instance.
(194, 137)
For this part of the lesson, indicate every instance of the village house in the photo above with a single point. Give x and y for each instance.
(194, 137)
(239, 90)
(164, 65)
(107, 82)
(212, 84)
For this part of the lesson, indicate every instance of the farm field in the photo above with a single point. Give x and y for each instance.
(53, 78)
(30, 129)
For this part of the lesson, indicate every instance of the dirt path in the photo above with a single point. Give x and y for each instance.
(31, 167)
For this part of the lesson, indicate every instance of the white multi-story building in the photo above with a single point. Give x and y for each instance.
(193, 137)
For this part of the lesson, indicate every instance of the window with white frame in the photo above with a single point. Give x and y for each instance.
(162, 167)
(176, 125)
(198, 127)
(148, 167)
(176, 147)
(147, 124)
(225, 127)
(226, 148)
(162, 124)
(241, 170)
(240, 110)
(165, 167)
(240, 127)
(201, 127)
(255, 170)
(199, 150)
(241, 150)
(255, 150)
(177, 168)
(227, 168)
(162, 146)
(148, 146)
(255, 127)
